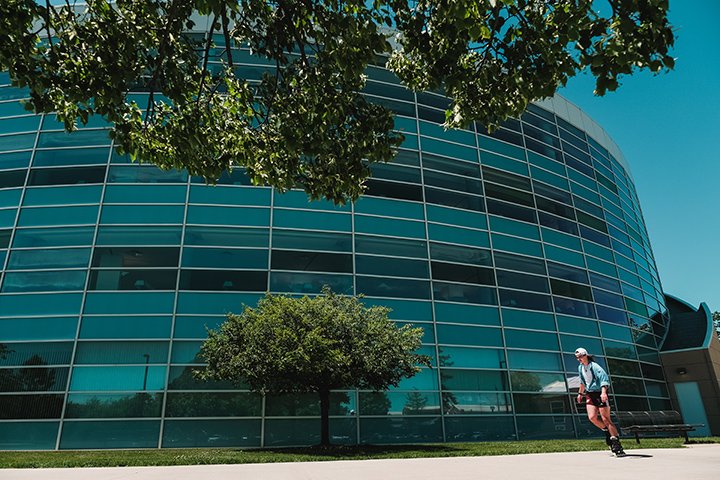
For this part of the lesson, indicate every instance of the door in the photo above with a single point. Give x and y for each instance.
(692, 408)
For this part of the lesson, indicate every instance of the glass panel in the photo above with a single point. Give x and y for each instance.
(105, 405)
(231, 237)
(534, 360)
(44, 281)
(298, 239)
(125, 327)
(240, 216)
(211, 433)
(400, 430)
(49, 258)
(460, 313)
(532, 301)
(35, 354)
(390, 246)
(54, 328)
(66, 176)
(75, 194)
(464, 293)
(539, 427)
(313, 220)
(149, 235)
(460, 357)
(30, 217)
(311, 261)
(213, 405)
(144, 174)
(55, 304)
(120, 352)
(225, 258)
(134, 279)
(152, 214)
(390, 266)
(309, 282)
(473, 429)
(145, 194)
(488, 380)
(538, 382)
(390, 287)
(118, 378)
(385, 226)
(468, 335)
(70, 156)
(14, 407)
(226, 280)
(115, 434)
(525, 319)
(142, 257)
(28, 435)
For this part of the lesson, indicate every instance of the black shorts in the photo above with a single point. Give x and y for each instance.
(593, 398)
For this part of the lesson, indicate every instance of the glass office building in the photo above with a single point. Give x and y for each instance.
(509, 249)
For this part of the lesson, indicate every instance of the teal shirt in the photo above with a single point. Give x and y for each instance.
(600, 378)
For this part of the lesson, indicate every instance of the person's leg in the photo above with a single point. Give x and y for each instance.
(607, 422)
(592, 412)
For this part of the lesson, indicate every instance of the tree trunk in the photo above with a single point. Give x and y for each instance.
(324, 417)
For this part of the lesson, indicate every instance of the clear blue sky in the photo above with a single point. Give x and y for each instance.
(668, 128)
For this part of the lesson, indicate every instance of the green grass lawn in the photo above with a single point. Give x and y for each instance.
(206, 456)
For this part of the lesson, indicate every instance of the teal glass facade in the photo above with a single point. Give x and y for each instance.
(510, 249)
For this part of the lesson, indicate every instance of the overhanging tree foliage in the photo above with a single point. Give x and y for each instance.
(306, 123)
(312, 345)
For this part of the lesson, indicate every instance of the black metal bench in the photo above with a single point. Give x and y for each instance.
(657, 421)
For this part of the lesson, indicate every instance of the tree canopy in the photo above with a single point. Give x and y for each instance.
(315, 344)
(305, 123)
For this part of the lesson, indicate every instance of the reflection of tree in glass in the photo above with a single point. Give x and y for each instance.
(449, 400)
(208, 404)
(374, 403)
(415, 403)
(138, 405)
(35, 379)
(301, 404)
(525, 382)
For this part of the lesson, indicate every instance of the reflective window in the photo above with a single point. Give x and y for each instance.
(243, 280)
(71, 156)
(567, 273)
(36, 354)
(512, 211)
(390, 207)
(63, 195)
(44, 281)
(125, 327)
(569, 289)
(135, 279)
(118, 352)
(391, 287)
(469, 335)
(151, 214)
(251, 258)
(12, 178)
(311, 261)
(531, 301)
(118, 377)
(66, 176)
(462, 313)
(520, 360)
(52, 328)
(463, 357)
(453, 199)
(14, 407)
(462, 273)
(389, 246)
(231, 237)
(311, 282)
(519, 263)
(390, 266)
(538, 382)
(525, 319)
(30, 217)
(465, 236)
(454, 253)
(113, 405)
(464, 293)
(311, 220)
(110, 434)
(49, 258)
(298, 239)
(522, 281)
(241, 216)
(144, 174)
(457, 379)
(145, 194)
(512, 227)
(574, 307)
(213, 405)
(385, 226)
(141, 257)
(33, 379)
(533, 340)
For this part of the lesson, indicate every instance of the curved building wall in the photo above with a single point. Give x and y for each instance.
(510, 250)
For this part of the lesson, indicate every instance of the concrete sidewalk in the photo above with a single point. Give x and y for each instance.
(696, 461)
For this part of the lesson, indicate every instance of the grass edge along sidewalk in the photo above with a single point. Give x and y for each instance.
(210, 456)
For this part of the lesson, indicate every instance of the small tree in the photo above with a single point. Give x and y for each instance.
(319, 344)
